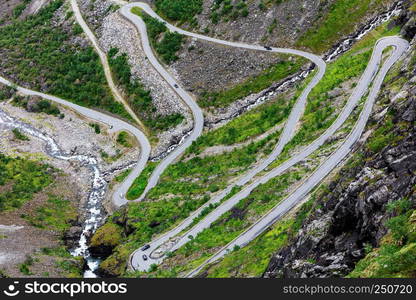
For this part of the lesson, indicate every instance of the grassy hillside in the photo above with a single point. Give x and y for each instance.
(37, 54)
(396, 255)
(20, 179)
(252, 85)
(340, 20)
(40, 198)
(320, 110)
(179, 10)
(139, 99)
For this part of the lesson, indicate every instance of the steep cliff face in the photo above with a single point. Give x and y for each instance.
(368, 209)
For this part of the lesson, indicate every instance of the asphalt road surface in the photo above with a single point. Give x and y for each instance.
(197, 113)
(400, 46)
(114, 123)
(136, 260)
(374, 74)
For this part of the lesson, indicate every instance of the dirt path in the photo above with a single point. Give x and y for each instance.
(103, 57)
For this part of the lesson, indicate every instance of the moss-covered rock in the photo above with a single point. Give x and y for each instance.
(106, 239)
(115, 264)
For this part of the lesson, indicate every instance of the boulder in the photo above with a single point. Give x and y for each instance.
(71, 237)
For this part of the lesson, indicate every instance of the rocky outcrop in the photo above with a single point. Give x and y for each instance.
(335, 236)
(71, 237)
(409, 29)
(105, 239)
(292, 20)
(354, 214)
(207, 67)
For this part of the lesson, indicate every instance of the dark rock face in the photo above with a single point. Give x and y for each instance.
(122, 220)
(101, 251)
(353, 214)
(409, 29)
(407, 20)
(71, 237)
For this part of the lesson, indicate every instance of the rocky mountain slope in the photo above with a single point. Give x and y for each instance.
(201, 67)
(43, 199)
(360, 222)
(363, 225)
(313, 24)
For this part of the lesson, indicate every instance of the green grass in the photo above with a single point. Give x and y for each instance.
(21, 179)
(165, 43)
(6, 92)
(341, 19)
(198, 176)
(176, 197)
(140, 183)
(38, 106)
(383, 262)
(39, 55)
(57, 214)
(249, 125)
(123, 175)
(396, 255)
(382, 137)
(20, 136)
(116, 156)
(179, 10)
(169, 46)
(124, 139)
(320, 112)
(253, 85)
(18, 10)
(212, 207)
(185, 185)
(231, 224)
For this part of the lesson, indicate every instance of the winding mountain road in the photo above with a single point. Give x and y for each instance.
(374, 75)
(195, 109)
(400, 46)
(170, 240)
(119, 198)
(197, 112)
(114, 123)
(103, 58)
